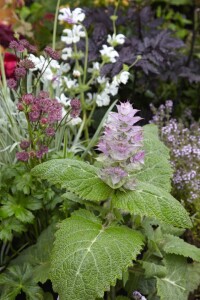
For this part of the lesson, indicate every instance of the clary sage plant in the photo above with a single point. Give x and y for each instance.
(114, 233)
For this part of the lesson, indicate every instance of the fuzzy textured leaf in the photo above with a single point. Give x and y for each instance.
(87, 257)
(175, 245)
(149, 200)
(157, 169)
(152, 269)
(76, 176)
(175, 285)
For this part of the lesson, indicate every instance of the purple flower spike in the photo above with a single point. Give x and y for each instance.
(113, 176)
(121, 147)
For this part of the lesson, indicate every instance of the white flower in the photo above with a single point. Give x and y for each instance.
(112, 88)
(102, 99)
(39, 62)
(108, 54)
(95, 67)
(74, 121)
(90, 97)
(73, 35)
(66, 53)
(70, 82)
(115, 40)
(122, 77)
(63, 100)
(102, 80)
(76, 73)
(73, 17)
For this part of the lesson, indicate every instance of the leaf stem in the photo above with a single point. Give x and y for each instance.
(55, 25)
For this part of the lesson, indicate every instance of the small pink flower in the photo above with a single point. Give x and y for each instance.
(24, 144)
(22, 156)
(50, 131)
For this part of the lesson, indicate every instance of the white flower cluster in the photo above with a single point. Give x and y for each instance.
(67, 82)
(77, 32)
(105, 87)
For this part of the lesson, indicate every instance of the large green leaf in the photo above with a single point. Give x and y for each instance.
(181, 278)
(88, 257)
(174, 245)
(157, 169)
(76, 176)
(149, 200)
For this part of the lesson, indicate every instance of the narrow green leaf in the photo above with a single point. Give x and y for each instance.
(151, 201)
(157, 169)
(174, 245)
(88, 257)
(76, 176)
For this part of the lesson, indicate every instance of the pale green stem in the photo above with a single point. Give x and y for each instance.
(82, 99)
(137, 59)
(115, 18)
(55, 25)
(86, 55)
(65, 145)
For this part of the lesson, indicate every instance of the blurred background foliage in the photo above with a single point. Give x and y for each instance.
(164, 32)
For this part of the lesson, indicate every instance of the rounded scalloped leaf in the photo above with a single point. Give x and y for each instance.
(149, 200)
(88, 257)
(76, 176)
(157, 169)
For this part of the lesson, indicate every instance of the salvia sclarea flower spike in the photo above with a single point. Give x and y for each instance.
(121, 147)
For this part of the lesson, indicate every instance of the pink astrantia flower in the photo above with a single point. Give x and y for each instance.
(121, 147)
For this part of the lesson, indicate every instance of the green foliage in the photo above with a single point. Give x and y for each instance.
(38, 255)
(149, 200)
(175, 245)
(157, 169)
(88, 257)
(76, 176)
(10, 226)
(17, 279)
(181, 278)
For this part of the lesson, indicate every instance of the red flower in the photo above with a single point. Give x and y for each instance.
(10, 63)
